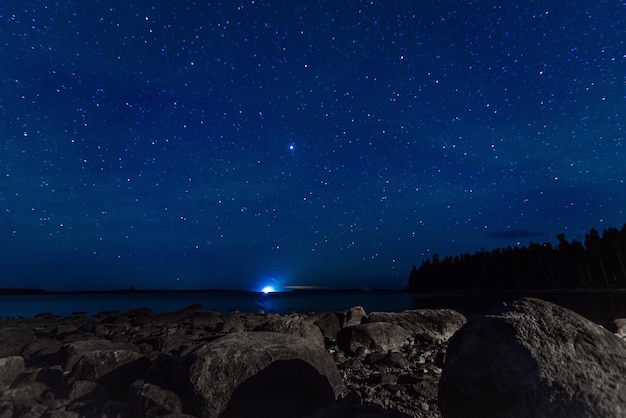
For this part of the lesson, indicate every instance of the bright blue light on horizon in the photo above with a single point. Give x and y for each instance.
(270, 285)
(268, 289)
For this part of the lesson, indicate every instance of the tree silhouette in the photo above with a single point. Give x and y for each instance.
(599, 263)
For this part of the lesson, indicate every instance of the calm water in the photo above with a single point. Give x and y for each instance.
(601, 307)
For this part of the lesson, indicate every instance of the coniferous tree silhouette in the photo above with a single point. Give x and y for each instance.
(598, 263)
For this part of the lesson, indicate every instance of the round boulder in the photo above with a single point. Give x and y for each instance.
(258, 374)
(531, 358)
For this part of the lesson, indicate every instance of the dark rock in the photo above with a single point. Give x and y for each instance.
(429, 324)
(72, 352)
(113, 369)
(173, 342)
(353, 316)
(260, 374)
(62, 413)
(440, 359)
(196, 308)
(54, 379)
(83, 390)
(65, 329)
(328, 323)
(232, 323)
(114, 409)
(531, 358)
(383, 379)
(293, 326)
(13, 340)
(146, 400)
(28, 410)
(26, 392)
(375, 336)
(395, 360)
(140, 312)
(10, 369)
(41, 347)
(100, 330)
(208, 321)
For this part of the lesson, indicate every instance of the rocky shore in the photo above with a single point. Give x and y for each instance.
(198, 363)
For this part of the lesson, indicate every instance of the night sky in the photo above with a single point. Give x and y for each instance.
(188, 144)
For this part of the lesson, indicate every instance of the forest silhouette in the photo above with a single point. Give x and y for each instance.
(598, 263)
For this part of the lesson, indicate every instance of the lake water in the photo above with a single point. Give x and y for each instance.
(601, 307)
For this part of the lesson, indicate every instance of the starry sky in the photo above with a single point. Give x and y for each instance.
(195, 144)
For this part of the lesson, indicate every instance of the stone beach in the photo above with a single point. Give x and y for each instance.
(198, 363)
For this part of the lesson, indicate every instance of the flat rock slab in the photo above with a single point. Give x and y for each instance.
(436, 325)
(531, 358)
(375, 336)
(260, 374)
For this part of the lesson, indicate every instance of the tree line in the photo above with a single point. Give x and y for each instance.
(597, 263)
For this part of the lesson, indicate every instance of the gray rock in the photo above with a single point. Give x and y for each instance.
(13, 339)
(83, 390)
(619, 327)
(72, 352)
(29, 410)
(27, 392)
(113, 369)
(531, 358)
(207, 321)
(42, 351)
(260, 374)
(10, 369)
(173, 342)
(146, 400)
(353, 316)
(327, 322)
(375, 336)
(436, 325)
(232, 323)
(293, 326)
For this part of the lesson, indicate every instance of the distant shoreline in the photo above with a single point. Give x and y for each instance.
(10, 291)
(440, 292)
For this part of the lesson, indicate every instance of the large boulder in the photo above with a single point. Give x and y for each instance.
(375, 336)
(257, 374)
(436, 325)
(531, 358)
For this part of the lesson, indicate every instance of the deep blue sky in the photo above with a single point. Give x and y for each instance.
(185, 144)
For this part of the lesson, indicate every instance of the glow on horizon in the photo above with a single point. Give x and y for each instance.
(268, 289)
